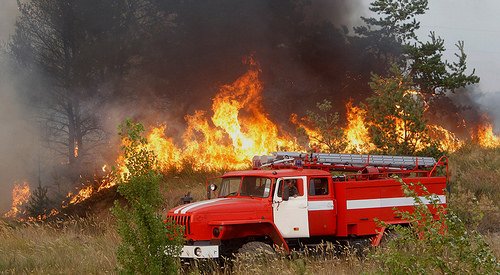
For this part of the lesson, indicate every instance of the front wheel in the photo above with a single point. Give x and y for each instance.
(256, 250)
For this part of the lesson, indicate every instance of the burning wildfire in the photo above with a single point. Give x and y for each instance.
(238, 128)
(356, 131)
(20, 196)
(313, 135)
(486, 137)
(447, 140)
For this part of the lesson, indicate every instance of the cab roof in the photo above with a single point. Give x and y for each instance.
(277, 173)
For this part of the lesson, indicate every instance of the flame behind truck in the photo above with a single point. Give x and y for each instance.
(293, 199)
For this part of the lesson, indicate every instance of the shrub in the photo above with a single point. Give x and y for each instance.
(145, 236)
(430, 245)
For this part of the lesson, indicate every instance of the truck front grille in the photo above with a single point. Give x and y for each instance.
(183, 220)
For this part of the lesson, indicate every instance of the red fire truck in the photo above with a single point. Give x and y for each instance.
(292, 199)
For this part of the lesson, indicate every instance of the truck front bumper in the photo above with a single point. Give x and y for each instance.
(200, 251)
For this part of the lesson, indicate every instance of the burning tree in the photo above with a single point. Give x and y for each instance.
(327, 136)
(39, 203)
(397, 118)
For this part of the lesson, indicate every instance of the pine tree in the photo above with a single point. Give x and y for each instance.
(393, 34)
(39, 203)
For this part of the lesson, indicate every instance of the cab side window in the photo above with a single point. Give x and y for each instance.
(318, 187)
(295, 187)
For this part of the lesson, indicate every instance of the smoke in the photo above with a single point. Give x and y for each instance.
(489, 102)
(306, 54)
(8, 15)
(18, 137)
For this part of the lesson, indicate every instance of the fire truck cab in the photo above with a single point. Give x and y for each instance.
(292, 199)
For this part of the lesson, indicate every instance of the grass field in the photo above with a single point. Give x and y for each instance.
(87, 246)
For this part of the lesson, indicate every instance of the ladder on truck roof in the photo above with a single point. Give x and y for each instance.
(352, 162)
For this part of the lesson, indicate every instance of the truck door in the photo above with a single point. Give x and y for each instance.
(321, 207)
(290, 216)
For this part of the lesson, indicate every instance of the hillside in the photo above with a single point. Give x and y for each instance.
(87, 245)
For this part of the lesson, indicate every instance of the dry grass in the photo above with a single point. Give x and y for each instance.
(81, 246)
(475, 187)
(327, 261)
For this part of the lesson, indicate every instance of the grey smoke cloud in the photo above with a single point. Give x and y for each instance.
(8, 15)
(17, 136)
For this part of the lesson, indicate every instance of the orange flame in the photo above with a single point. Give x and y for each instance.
(486, 137)
(314, 136)
(232, 139)
(20, 196)
(238, 129)
(75, 150)
(82, 195)
(356, 131)
(447, 141)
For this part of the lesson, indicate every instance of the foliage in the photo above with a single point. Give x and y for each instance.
(331, 136)
(397, 19)
(421, 61)
(430, 73)
(428, 245)
(39, 203)
(145, 237)
(396, 116)
(395, 26)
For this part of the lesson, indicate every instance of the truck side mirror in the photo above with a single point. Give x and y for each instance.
(286, 193)
(211, 188)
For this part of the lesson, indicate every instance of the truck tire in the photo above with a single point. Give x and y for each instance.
(259, 249)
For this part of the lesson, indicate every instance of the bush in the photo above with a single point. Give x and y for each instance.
(145, 236)
(428, 245)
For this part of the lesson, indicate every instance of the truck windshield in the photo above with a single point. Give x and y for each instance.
(245, 186)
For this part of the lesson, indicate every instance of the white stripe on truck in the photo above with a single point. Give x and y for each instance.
(389, 202)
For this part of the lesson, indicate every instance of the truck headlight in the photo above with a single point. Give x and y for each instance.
(197, 252)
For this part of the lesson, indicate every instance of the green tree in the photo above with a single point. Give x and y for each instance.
(145, 237)
(39, 203)
(396, 115)
(330, 135)
(423, 62)
(431, 74)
